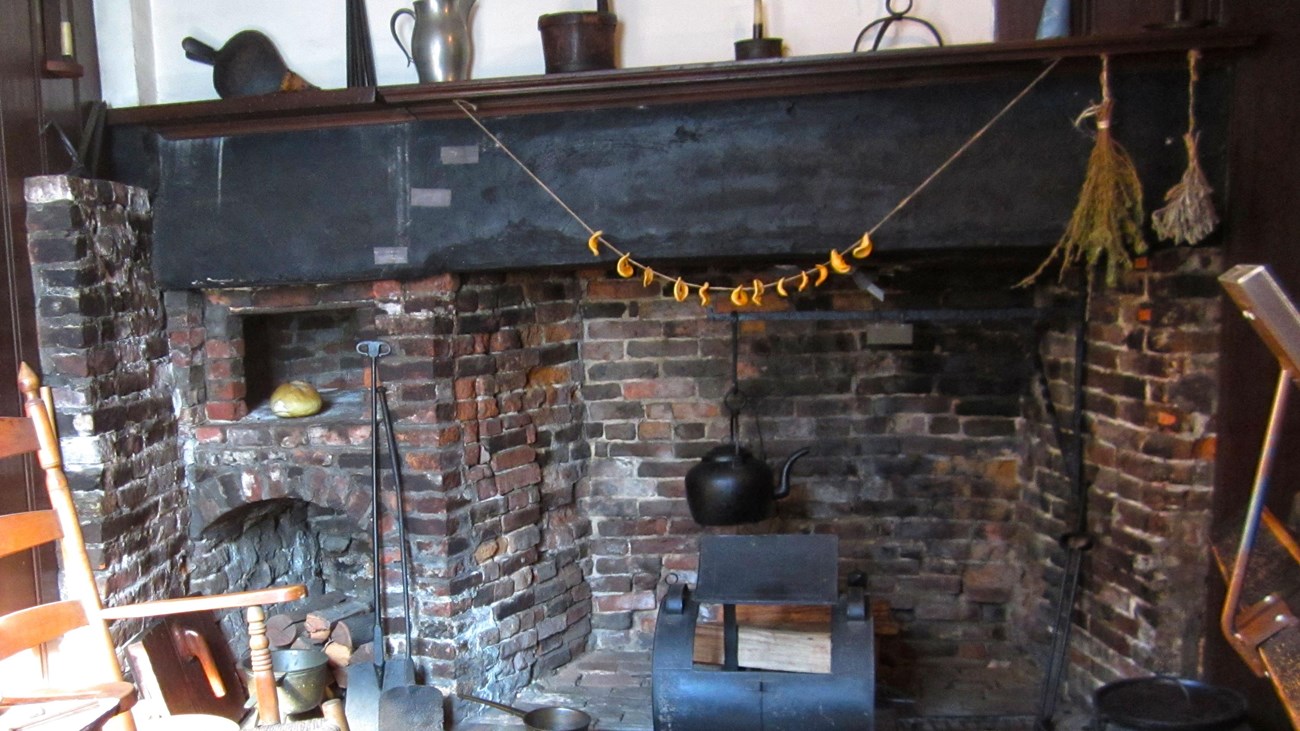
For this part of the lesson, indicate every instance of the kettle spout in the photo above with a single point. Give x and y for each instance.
(783, 488)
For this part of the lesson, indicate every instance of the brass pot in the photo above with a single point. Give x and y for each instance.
(301, 677)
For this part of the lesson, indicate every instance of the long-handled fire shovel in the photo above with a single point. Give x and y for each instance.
(403, 704)
(362, 707)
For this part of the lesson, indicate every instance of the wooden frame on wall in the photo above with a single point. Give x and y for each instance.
(1018, 19)
(58, 42)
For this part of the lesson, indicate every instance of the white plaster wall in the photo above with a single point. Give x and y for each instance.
(142, 62)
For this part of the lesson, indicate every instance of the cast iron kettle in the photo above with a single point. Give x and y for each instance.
(730, 485)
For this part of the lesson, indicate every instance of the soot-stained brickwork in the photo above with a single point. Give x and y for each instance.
(546, 420)
(104, 353)
(481, 383)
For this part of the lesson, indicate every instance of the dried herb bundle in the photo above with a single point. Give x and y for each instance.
(1108, 218)
(1189, 215)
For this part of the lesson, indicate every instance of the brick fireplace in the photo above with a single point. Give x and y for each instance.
(546, 420)
(482, 388)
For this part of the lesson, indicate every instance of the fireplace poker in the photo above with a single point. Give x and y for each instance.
(405, 668)
(1077, 541)
(362, 707)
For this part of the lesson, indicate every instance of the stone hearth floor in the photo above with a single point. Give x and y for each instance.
(614, 688)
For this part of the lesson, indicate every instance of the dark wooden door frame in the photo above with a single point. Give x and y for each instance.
(1262, 225)
(1018, 19)
(30, 96)
(19, 129)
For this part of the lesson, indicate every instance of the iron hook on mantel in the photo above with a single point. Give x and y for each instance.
(895, 16)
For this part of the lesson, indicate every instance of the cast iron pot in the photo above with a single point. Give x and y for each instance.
(1163, 703)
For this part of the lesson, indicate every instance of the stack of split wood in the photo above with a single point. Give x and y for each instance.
(340, 626)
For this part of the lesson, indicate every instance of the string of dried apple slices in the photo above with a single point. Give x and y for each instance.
(742, 295)
(749, 294)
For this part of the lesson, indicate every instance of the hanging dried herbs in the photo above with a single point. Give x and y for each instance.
(1189, 215)
(1107, 220)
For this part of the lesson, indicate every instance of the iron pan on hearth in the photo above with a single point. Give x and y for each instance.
(546, 718)
(1163, 703)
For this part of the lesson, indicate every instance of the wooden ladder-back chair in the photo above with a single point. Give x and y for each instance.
(107, 701)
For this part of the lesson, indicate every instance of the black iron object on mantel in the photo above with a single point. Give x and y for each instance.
(361, 56)
(895, 16)
(579, 41)
(759, 46)
(247, 65)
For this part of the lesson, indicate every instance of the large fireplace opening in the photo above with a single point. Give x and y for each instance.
(546, 421)
(281, 541)
(285, 541)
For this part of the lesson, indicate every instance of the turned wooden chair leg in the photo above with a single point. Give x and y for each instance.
(268, 703)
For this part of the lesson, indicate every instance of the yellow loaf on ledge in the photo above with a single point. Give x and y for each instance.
(295, 399)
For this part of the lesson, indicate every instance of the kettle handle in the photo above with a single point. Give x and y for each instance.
(392, 24)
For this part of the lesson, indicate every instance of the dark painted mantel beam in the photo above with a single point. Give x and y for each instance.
(707, 169)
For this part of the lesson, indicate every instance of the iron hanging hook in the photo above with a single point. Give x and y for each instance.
(888, 20)
(734, 401)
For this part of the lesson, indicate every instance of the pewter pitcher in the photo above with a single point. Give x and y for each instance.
(440, 44)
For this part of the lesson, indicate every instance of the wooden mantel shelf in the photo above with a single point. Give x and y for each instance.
(647, 86)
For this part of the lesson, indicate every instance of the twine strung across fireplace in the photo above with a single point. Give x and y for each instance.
(751, 294)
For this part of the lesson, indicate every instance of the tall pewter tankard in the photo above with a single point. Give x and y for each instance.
(440, 44)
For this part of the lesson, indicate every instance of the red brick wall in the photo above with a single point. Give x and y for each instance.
(482, 387)
(1152, 384)
(934, 462)
(915, 446)
(546, 421)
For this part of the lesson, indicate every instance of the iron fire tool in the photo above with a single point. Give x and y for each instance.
(1078, 541)
(895, 16)
(402, 704)
(360, 55)
(546, 718)
(363, 680)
